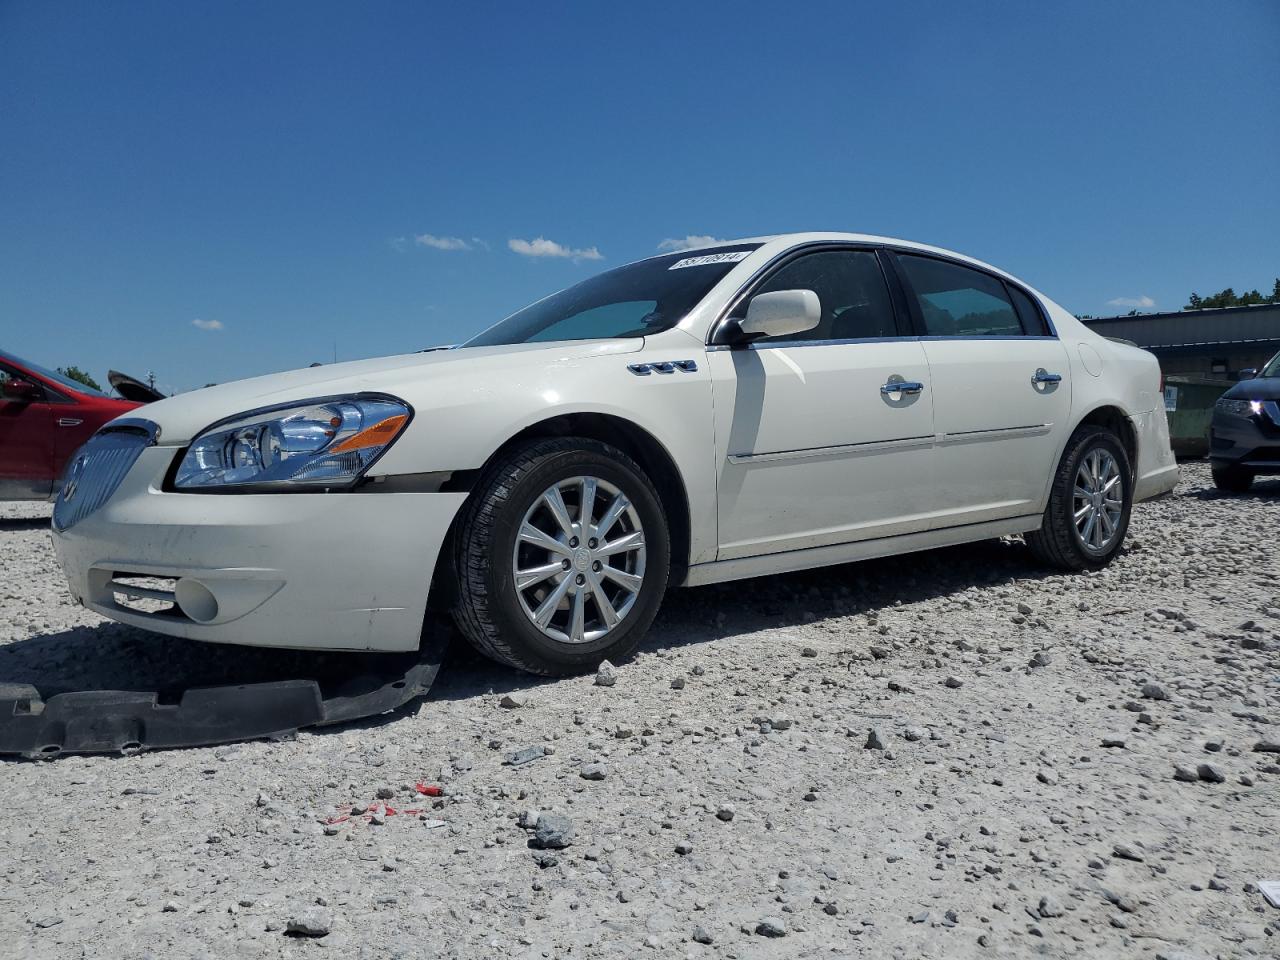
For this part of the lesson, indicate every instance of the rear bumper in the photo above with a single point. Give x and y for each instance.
(1156, 472)
(338, 571)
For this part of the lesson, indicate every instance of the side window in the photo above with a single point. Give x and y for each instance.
(850, 287)
(958, 302)
(1029, 313)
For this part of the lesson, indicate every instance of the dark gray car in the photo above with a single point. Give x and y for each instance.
(1244, 440)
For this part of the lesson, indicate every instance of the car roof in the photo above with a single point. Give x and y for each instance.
(780, 241)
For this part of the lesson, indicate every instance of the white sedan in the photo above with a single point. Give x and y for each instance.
(735, 411)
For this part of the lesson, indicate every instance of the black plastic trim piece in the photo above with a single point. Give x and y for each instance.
(253, 707)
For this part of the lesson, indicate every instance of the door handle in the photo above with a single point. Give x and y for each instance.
(911, 387)
(1044, 376)
(69, 422)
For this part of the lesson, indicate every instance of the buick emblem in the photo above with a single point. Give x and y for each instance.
(73, 480)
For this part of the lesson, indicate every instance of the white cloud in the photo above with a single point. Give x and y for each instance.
(1145, 303)
(441, 243)
(689, 242)
(542, 247)
(207, 324)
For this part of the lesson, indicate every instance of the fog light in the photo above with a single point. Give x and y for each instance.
(196, 600)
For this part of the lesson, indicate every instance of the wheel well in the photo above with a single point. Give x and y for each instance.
(1114, 419)
(633, 440)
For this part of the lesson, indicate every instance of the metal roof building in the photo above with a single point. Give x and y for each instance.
(1215, 343)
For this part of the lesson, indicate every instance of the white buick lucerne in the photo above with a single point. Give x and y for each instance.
(734, 411)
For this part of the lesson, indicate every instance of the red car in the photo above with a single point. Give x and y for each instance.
(44, 417)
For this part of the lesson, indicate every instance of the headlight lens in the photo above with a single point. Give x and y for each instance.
(321, 443)
(1239, 408)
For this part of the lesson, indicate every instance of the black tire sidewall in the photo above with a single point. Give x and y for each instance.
(1093, 440)
(508, 615)
(1232, 479)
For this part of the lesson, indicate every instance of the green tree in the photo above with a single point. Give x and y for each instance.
(79, 376)
(1229, 298)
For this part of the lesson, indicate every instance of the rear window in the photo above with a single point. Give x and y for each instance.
(955, 301)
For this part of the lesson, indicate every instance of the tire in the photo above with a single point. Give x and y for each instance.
(1059, 542)
(1232, 479)
(497, 618)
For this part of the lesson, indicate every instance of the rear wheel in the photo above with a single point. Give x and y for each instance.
(563, 556)
(1232, 479)
(1088, 512)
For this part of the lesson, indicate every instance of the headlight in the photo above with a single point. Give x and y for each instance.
(320, 443)
(1239, 408)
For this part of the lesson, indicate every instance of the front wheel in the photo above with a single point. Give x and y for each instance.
(562, 557)
(1088, 512)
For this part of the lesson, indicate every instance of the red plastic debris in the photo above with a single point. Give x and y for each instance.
(427, 790)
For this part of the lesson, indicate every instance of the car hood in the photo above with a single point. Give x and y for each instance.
(1263, 388)
(181, 417)
(132, 388)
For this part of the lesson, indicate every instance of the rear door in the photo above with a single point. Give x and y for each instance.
(26, 444)
(812, 449)
(1001, 389)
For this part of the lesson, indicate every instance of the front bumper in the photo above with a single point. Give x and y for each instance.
(335, 571)
(1251, 443)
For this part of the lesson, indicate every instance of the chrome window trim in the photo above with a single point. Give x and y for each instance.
(790, 344)
(814, 246)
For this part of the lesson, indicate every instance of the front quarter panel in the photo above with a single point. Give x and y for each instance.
(465, 411)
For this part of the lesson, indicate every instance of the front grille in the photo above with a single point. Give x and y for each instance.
(97, 469)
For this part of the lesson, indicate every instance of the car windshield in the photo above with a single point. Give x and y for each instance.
(52, 375)
(1272, 369)
(630, 301)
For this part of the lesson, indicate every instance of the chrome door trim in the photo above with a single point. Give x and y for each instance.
(999, 433)
(843, 450)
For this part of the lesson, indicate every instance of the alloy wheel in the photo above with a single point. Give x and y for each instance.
(579, 558)
(1097, 500)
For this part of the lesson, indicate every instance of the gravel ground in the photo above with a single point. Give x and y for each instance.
(944, 755)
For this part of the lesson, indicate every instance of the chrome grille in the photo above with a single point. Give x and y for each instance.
(97, 469)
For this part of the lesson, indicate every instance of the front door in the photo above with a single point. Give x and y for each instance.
(824, 437)
(26, 445)
(1001, 388)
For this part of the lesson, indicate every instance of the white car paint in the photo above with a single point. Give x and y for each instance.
(788, 457)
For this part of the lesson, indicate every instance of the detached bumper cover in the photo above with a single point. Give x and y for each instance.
(222, 700)
(318, 571)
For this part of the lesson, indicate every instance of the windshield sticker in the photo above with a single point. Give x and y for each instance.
(732, 257)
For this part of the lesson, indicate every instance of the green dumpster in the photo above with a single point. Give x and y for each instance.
(1188, 402)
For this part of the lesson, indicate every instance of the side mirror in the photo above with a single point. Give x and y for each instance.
(1248, 373)
(23, 391)
(781, 313)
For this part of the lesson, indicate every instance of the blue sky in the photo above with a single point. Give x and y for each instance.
(280, 172)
